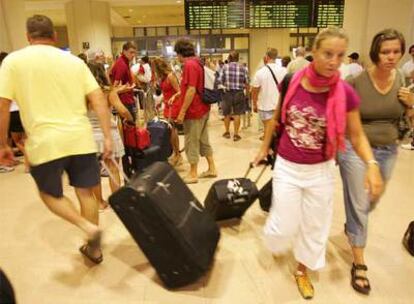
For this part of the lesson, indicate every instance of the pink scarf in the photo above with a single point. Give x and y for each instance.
(335, 109)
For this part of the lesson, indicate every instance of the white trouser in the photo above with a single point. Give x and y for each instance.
(301, 210)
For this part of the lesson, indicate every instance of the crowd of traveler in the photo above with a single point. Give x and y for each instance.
(327, 113)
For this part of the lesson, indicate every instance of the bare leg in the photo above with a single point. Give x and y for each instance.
(193, 170)
(64, 208)
(89, 211)
(227, 123)
(97, 193)
(19, 139)
(114, 185)
(236, 121)
(211, 165)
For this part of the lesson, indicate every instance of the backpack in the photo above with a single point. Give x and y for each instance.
(210, 94)
(408, 240)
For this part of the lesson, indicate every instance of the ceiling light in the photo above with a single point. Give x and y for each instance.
(178, 1)
(130, 10)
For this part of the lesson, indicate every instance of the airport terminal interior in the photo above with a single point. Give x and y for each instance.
(39, 251)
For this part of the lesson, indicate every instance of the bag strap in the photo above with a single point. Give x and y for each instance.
(273, 75)
(283, 90)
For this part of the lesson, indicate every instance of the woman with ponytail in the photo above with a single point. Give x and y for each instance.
(317, 112)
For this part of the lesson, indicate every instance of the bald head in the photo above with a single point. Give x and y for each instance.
(300, 51)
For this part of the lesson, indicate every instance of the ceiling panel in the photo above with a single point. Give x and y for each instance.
(152, 15)
(134, 12)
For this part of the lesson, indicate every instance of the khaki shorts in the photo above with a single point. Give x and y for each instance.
(196, 139)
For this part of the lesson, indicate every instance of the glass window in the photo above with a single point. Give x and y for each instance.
(161, 31)
(139, 32)
(151, 32)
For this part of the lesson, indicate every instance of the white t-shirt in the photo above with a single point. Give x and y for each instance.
(269, 93)
(408, 68)
(354, 69)
(146, 77)
(14, 107)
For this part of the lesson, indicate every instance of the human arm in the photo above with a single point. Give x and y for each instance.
(174, 83)
(363, 149)
(99, 106)
(268, 135)
(255, 95)
(117, 104)
(188, 99)
(6, 153)
(406, 97)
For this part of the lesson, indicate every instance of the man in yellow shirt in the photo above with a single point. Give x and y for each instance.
(51, 87)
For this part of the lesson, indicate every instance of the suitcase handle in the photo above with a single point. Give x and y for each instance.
(111, 176)
(251, 166)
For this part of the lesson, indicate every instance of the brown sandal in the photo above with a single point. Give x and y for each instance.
(354, 278)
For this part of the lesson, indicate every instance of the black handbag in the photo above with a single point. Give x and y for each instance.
(408, 240)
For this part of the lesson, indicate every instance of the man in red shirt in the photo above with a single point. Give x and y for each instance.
(121, 73)
(194, 112)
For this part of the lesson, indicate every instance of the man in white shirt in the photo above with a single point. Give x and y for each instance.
(265, 93)
(143, 76)
(408, 67)
(299, 62)
(354, 68)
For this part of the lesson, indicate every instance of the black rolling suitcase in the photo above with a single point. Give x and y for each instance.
(230, 198)
(169, 224)
(265, 196)
(135, 161)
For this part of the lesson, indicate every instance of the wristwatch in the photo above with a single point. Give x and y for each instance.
(372, 162)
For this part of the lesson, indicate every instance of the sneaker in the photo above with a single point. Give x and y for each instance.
(304, 285)
(408, 146)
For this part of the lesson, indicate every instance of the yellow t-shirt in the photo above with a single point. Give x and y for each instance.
(50, 88)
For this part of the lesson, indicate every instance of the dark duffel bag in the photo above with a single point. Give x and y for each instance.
(160, 132)
(171, 227)
(265, 196)
(408, 240)
(230, 198)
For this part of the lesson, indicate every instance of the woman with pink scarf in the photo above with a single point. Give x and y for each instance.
(318, 110)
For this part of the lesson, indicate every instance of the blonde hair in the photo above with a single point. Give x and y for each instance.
(330, 32)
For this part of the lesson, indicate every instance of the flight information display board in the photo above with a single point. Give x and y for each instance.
(279, 13)
(222, 14)
(214, 14)
(328, 13)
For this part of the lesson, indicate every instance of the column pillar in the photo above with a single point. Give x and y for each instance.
(13, 25)
(88, 21)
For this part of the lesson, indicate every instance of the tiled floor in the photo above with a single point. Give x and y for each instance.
(39, 251)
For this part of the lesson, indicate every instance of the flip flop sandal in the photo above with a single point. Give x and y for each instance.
(84, 249)
(354, 278)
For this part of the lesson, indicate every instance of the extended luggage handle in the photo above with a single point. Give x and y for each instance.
(117, 165)
(251, 166)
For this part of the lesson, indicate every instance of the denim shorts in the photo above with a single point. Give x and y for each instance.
(265, 115)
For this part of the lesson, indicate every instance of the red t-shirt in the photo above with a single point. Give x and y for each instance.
(193, 76)
(121, 72)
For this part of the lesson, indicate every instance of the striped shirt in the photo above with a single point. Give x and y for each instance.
(233, 76)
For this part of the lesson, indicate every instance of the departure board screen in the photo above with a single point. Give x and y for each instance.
(328, 13)
(279, 13)
(214, 14)
(222, 14)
